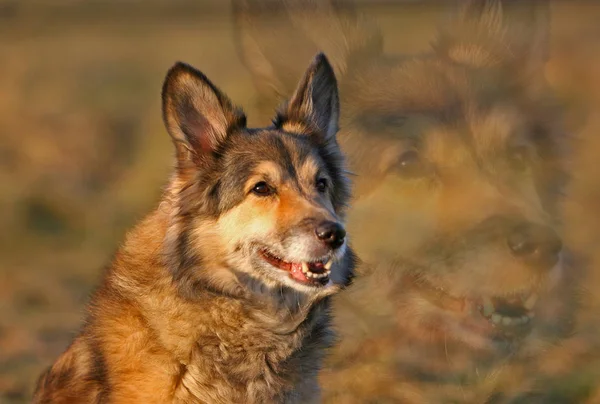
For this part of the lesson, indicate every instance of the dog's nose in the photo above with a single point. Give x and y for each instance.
(537, 245)
(331, 233)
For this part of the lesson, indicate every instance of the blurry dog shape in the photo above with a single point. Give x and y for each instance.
(459, 160)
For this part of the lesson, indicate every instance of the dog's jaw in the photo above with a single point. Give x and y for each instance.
(312, 273)
(483, 322)
(312, 276)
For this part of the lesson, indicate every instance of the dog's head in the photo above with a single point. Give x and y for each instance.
(259, 209)
(457, 155)
(461, 177)
(460, 189)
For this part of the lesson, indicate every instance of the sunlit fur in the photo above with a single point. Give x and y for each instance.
(189, 311)
(488, 140)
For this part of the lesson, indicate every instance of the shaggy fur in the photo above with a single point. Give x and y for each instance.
(192, 309)
(466, 285)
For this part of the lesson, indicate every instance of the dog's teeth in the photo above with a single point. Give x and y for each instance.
(530, 302)
(305, 269)
(328, 264)
(496, 318)
(524, 319)
(519, 320)
(488, 307)
(507, 320)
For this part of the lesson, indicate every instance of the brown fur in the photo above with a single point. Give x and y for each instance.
(453, 149)
(188, 312)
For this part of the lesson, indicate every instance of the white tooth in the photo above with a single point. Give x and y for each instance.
(304, 267)
(507, 320)
(328, 264)
(496, 318)
(530, 302)
(524, 319)
(488, 307)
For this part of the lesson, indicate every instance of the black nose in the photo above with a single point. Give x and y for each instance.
(331, 233)
(537, 245)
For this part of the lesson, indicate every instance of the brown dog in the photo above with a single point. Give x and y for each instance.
(221, 295)
(458, 153)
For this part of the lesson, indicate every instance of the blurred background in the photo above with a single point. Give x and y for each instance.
(83, 152)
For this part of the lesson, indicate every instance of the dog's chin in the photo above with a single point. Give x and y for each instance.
(308, 276)
(488, 322)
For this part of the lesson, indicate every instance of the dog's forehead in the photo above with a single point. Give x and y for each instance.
(414, 85)
(276, 153)
(446, 106)
(496, 127)
(475, 134)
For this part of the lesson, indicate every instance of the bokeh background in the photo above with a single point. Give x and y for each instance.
(83, 152)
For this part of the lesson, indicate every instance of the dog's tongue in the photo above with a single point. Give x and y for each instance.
(317, 267)
(297, 273)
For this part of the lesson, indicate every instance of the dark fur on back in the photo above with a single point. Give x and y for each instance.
(189, 311)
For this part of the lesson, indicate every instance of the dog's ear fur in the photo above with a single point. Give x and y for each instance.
(488, 33)
(197, 115)
(314, 108)
(274, 38)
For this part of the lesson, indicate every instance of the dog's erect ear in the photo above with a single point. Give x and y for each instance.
(198, 116)
(499, 32)
(314, 108)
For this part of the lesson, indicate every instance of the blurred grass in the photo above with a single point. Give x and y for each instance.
(83, 153)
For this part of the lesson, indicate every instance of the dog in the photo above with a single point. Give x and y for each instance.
(222, 294)
(465, 285)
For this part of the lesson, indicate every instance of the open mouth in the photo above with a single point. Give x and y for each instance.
(307, 273)
(507, 316)
(510, 315)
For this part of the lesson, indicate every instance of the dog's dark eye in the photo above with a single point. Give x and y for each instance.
(518, 157)
(322, 185)
(262, 189)
(410, 164)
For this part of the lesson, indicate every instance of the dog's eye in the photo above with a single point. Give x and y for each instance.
(322, 185)
(410, 164)
(262, 189)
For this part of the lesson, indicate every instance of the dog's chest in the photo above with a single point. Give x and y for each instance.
(245, 365)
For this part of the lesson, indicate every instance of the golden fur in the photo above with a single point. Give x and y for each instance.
(189, 311)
